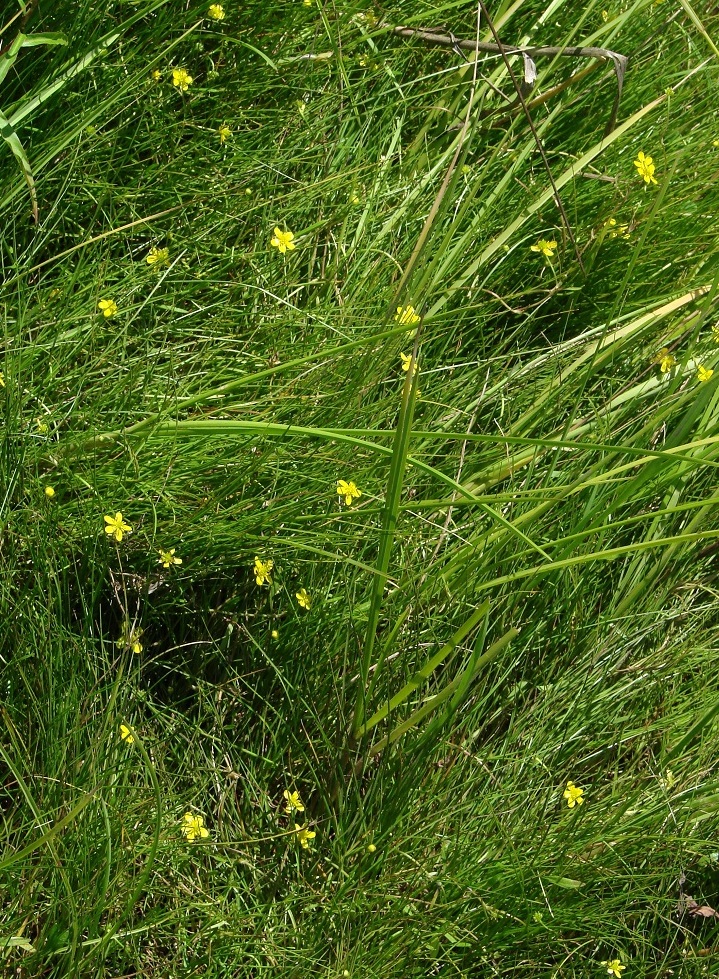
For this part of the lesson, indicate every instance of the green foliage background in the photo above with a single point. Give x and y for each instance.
(547, 467)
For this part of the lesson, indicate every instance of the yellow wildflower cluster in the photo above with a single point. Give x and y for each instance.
(544, 247)
(194, 828)
(614, 967)
(293, 803)
(406, 316)
(108, 307)
(283, 240)
(645, 168)
(666, 360)
(263, 571)
(158, 257)
(181, 79)
(129, 638)
(573, 795)
(348, 491)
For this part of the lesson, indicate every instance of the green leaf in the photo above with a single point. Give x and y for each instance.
(11, 138)
(17, 942)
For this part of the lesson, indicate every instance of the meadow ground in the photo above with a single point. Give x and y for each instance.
(358, 535)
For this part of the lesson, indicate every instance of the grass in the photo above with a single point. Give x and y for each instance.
(522, 596)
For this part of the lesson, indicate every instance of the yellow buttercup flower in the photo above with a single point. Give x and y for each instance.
(49, 492)
(168, 558)
(2, 380)
(108, 307)
(406, 316)
(544, 247)
(573, 795)
(283, 240)
(615, 230)
(406, 361)
(645, 167)
(704, 373)
(156, 75)
(304, 835)
(216, 11)
(666, 360)
(614, 968)
(348, 490)
(303, 599)
(116, 526)
(130, 638)
(194, 828)
(275, 634)
(263, 571)
(181, 79)
(158, 257)
(126, 734)
(293, 801)
(224, 132)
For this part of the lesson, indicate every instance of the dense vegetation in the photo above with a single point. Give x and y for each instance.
(358, 540)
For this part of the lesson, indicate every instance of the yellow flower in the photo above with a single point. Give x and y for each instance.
(181, 79)
(307, 3)
(615, 230)
(168, 557)
(605, 16)
(126, 734)
(293, 801)
(49, 492)
(371, 848)
(42, 426)
(2, 380)
(156, 75)
(116, 527)
(573, 795)
(614, 968)
(194, 828)
(406, 316)
(108, 307)
(303, 598)
(130, 638)
(304, 835)
(283, 240)
(704, 373)
(216, 11)
(645, 168)
(158, 257)
(275, 634)
(263, 571)
(666, 360)
(224, 132)
(348, 490)
(406, 361)
(544, 247)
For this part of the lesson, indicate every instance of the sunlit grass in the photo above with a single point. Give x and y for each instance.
(358, 513)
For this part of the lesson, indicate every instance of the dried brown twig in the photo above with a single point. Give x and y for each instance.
(619, 61)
